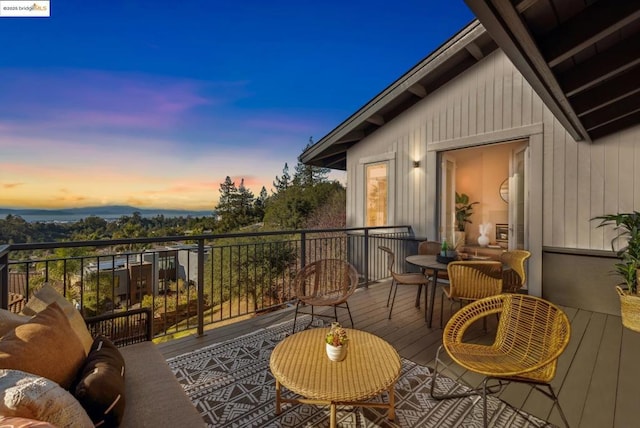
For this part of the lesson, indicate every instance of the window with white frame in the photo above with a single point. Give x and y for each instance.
(377, 194)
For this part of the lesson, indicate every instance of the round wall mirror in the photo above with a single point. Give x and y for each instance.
(504, 190)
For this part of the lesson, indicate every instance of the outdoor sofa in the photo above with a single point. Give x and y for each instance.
(59, 368)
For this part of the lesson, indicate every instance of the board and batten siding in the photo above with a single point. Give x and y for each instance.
(491, 102)
(569, 182)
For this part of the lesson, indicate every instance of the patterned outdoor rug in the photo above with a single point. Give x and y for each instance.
(231, 385)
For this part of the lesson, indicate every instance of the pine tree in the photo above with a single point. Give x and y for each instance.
(260, 204)
(225, 207)
(309, 175)
(244, 205)
(284, 181)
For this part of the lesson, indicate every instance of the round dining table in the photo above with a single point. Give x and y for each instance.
(428, 262)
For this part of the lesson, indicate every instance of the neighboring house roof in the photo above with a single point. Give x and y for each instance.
(582, 61)
(581, 57)
(18, 283)
(448, 61)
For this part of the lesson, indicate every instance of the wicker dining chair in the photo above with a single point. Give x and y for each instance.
(401, 278)
(513, 279)
(532, 333)
(328, 282)
(471, 280)
(431, 248)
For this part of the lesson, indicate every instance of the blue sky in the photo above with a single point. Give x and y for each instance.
(153, 104)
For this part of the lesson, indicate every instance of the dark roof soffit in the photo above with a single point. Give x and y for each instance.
(580, 57)
(503, 22)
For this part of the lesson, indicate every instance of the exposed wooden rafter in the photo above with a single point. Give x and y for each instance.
(418, 90)
(475, 51)
(593, 24)
(503, 22)
(611, 113)
(376, 119)
(582, 58)
(613, 90)
(598, 68)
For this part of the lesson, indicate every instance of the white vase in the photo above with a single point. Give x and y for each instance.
(336, 353)
(483, 240)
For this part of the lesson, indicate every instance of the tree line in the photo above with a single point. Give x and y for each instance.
(260, 272)
(306, 199)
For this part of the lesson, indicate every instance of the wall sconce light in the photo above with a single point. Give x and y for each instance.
(416, 164)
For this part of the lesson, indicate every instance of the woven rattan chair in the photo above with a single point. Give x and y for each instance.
(328, 282)
(401, 278)
(532, 333)
(471, 280)
(513, 279)
(431, 248)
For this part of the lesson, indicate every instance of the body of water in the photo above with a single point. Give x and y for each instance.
(72, 218)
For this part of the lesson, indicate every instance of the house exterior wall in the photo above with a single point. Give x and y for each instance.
(475, 108)
(570, 182)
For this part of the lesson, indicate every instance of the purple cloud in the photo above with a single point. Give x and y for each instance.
(95, 99)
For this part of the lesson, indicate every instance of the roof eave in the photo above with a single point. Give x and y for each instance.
(406, 83)
(503, 23)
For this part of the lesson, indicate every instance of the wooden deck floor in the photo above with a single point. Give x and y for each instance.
(598, 379)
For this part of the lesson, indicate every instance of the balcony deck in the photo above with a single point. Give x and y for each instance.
(598, 380)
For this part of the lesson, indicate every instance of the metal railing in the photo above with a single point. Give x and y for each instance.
(191, 281)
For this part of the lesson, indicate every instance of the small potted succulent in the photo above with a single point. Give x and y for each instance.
(336, 342)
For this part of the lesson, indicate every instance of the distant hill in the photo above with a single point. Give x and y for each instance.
(107, 210)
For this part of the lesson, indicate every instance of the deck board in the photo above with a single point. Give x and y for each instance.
(599, 404)
(580, 372)
(626, 413)
(597, 379)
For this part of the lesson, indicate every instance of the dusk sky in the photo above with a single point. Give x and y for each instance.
(153, 104)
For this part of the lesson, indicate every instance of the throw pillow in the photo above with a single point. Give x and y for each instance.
(100, 389)
(45, 346)
(15, 422)
(26, 395)
(9, 321)
(47, 295)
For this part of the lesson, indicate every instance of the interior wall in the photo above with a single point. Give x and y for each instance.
(479, 173)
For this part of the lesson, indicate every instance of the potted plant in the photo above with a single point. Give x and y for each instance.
(464, 210)
(627, 242)
(336, 342)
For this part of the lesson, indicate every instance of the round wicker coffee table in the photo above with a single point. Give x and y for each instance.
(300, 364)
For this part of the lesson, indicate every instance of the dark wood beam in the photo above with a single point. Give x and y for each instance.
(525, 4)
(336, 162)
(620, 58)
(611, 113)
(475, 51)
(610, 128)
(418, 90)
(352, 137)
(593, 24)
(506, 27)
(330, 157)
(376, 119)
(622, 86)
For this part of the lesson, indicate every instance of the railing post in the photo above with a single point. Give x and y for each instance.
(303, 250)
(366, 258)
(200, 305)
(4, 279)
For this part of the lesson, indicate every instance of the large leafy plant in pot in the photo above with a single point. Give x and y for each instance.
(464, 209)
(627, 242)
